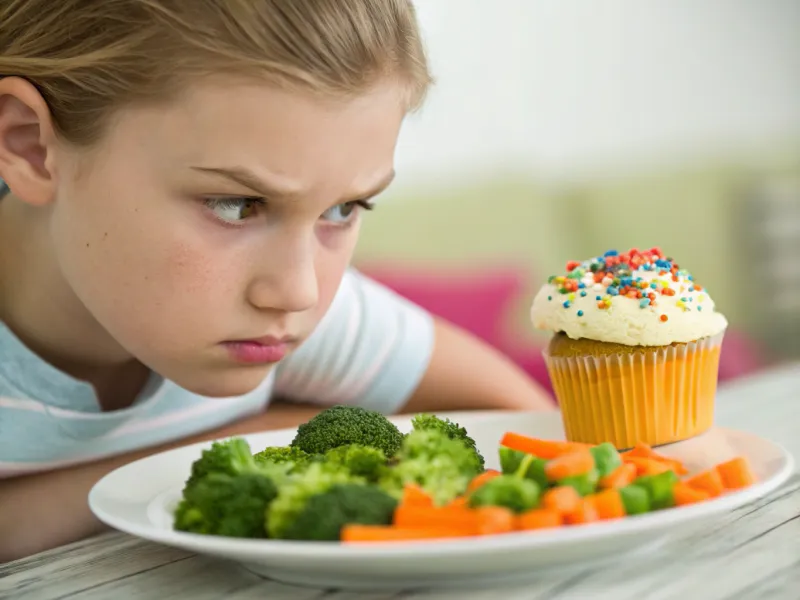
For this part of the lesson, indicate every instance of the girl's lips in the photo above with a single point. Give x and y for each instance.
(257, 352)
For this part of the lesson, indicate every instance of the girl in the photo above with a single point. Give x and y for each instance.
(186, 184)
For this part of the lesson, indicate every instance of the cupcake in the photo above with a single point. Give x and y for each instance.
(634, 355)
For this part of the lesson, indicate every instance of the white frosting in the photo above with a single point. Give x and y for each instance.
(690, 313)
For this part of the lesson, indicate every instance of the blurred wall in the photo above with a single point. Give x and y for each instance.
(557, 130)
(566, 88)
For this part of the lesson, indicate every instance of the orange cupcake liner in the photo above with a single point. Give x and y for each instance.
(655, 396)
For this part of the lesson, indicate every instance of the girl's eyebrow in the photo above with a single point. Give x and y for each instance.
(247, 178)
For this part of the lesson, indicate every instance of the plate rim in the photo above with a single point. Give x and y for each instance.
(528, 540)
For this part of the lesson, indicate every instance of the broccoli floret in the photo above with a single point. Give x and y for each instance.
(453, 430)
(228, 492)
(293, 458)
(429, 458)
(342, 425)
(362, 461)
(228, 458)
(512, 492)
(295, 492)
(226, 505)
(324, 515)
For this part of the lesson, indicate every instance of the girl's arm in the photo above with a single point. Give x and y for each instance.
(465, 373)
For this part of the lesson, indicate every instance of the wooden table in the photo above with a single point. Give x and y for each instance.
(752, 553)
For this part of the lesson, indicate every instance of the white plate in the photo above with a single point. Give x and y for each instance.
(138, 499)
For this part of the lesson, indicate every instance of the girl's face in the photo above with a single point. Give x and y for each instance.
(201, 234)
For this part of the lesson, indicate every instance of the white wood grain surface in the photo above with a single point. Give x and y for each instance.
(752, 553)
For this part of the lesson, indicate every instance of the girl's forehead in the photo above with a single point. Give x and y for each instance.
(295, 141)
(210, 121)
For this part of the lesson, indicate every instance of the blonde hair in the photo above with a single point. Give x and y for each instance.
(89, 58)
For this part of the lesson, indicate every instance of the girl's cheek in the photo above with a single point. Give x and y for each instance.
(332, 262)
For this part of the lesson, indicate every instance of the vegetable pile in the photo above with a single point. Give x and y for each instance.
(350, 475)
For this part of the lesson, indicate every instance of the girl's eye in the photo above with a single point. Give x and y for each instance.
(345, 212)
(235, 209)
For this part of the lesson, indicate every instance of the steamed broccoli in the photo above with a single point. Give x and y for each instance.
(362, 461)
(323, 515)
(228, 492)
(512, 492)
(317, 478)
(226, 505)
(429, 458)
(453, 430)
(343, 425)
(228, 457)
(293, 458)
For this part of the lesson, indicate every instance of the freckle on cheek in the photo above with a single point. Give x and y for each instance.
(191, 269)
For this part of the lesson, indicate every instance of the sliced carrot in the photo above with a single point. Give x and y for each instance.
(460, 502)
(386, 533)
(540, 448)
(685, 494)
(585, 513)
(608, 504)
(708, 481)
(539, 518)
(479, 480)
(570, 464)
(561, 499)
(736, 473)
(434, 517)
(494, 519)
(619, 477)
(414, 495)
(642, 450)
(475, 521)
(647, 466)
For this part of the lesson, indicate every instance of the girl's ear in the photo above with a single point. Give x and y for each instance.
(27, 142)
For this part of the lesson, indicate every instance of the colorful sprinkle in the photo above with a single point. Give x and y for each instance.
(641, 276)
